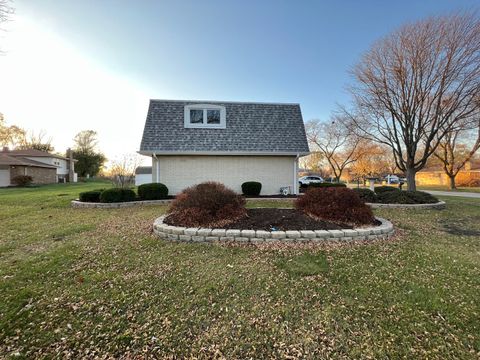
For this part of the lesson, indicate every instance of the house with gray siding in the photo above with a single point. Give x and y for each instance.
(191, 142)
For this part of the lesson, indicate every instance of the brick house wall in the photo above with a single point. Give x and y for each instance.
(440, 178)
(40, 175)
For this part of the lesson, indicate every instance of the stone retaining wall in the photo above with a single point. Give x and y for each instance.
(177, 233)
(439, 205)
(80, 204)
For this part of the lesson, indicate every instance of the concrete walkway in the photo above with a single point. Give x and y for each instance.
(454, 193)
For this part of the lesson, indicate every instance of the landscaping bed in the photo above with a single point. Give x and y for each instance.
(391, 197)
(269, 219)
(87, 284)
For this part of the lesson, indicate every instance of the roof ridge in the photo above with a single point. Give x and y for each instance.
(226, 102)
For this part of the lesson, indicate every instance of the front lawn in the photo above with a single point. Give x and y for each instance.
(446, 188)
(95, 282)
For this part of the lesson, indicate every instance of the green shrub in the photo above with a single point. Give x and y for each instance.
(406, 197)
(22, 180)
(382, 189)
(209, 204)
(90, 196)
(335, 204)
(422, 197)
(366, 195)
(326, 185)
(117, 195)
(251, 188)
(153, 191)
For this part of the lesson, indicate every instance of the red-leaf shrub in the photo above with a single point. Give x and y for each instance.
(209, 204)
(335, 204)
(22, 180)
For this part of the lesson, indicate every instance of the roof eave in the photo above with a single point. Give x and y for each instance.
(224, 153)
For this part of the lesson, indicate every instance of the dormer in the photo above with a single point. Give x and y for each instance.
(205, 116)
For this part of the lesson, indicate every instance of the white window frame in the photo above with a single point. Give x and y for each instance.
(205, 108)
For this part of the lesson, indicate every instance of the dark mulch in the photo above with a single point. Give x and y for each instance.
(282, 219)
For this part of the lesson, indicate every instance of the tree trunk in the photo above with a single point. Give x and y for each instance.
(411, 186)
(453, 186)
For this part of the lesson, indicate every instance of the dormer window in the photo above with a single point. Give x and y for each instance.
(205, 116)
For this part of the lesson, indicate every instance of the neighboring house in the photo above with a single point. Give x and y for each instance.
(143, 175)
(435, 175)
(38, 164)
(229, 142)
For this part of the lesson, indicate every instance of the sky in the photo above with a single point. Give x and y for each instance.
(70, 65)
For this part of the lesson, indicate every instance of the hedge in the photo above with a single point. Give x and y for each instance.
(326, 185)
(90, 196)
(382, 189)
(117, 195)
(406, 197)
(366, 195)
(251, 188)
(152, 191)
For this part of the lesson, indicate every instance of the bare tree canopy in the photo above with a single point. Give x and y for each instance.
(414, 86)
(122, 170)
(457, 148)
(85, 141)
(38, 141)
(333, 140)
(10, 136)
(5, 10)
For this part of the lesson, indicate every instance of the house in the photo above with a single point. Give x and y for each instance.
(229, 142)
(43, 167)
(435, 175)
(143, 175)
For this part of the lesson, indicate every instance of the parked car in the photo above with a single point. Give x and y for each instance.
(394, 179)
(307, 180)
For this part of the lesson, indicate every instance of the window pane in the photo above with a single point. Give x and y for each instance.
(213, 116)
(196, 116)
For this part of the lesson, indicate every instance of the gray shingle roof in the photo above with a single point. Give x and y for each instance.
(250, 127)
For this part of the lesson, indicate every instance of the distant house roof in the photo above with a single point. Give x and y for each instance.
(251, 128)
(143, 170)
(33, 153)
(21, 161)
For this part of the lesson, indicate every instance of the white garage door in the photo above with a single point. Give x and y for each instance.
(4, 176)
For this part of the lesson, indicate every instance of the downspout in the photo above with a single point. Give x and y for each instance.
(157, 168)
(295, 185)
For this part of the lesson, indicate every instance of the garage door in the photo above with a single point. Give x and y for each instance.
(4, 177)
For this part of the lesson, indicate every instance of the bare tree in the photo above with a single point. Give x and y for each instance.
(313, 162)
(413, 87)
(85, 141)
(10, 136)
(373, 160)
(122, 170)
(335, 142)
(38, 141)
(5, 11)
(457, 148)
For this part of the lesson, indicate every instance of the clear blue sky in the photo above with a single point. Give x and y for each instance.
(279, 51)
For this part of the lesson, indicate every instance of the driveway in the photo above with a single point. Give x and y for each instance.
(454, 193)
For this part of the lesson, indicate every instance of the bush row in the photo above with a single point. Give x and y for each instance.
(154, 191)
(214, 205)
(391, 195)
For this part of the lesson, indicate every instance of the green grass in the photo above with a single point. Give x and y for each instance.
(92, 282)
(446, 188)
